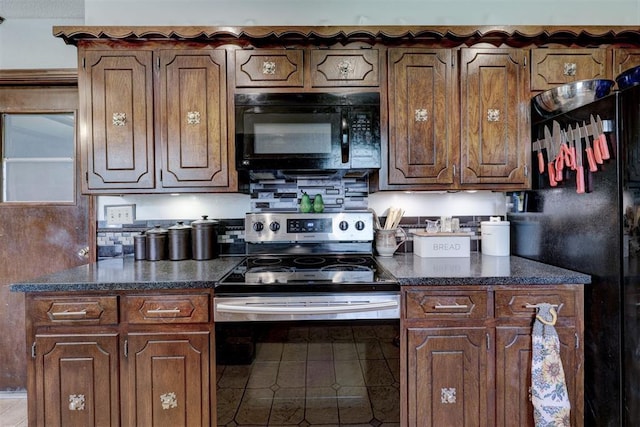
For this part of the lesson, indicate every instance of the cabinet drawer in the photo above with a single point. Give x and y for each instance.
(145, 309)
(74, 310)
(269, 68)
(519, 303)
(446, 305)
(555, 67)
(344, 67)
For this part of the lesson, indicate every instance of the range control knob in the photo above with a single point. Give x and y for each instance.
(258, 226)
(360, 225)
(274, 226)
(344, 225)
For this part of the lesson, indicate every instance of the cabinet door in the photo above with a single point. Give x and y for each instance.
(77, 380)
(555, 67)
(344, 67)
(269, 68)
(513, 375)
(193, 119)
(448, 382)
(422, 118)
(169, 378)
(116, 116)
(624, 59)
(494, 118)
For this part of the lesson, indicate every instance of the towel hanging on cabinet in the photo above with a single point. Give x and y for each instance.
(551, 406)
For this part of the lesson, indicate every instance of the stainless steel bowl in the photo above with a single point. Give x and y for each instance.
(570, 96)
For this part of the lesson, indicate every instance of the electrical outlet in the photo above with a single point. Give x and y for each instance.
(120, 214)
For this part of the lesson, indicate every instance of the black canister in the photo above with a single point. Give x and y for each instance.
(140, 246)
(157, 243)
(204, 238)
(179, 241)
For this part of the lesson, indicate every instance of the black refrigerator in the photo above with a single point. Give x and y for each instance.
(594, 232)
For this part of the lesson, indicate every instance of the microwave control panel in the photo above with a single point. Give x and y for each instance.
(364, 134)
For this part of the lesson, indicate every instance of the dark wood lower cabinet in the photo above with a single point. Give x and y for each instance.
(447, 381)
(77, 380)
(142, 359)
(169, 376)
(469, 348)
(513, 374)
(147, 358)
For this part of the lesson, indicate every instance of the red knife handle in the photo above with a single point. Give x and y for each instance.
(593, 167)
(567, 156)
(552, 174)
(559, 166)
(597, 154)
(540, 162)
(604, 147)
(573, 157)
(579, 180)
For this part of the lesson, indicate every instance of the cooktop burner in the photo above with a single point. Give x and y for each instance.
(308, 273)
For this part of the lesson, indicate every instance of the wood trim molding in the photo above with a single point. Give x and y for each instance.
(452, 36)
(39, 77)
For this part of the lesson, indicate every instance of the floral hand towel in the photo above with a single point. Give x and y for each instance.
(551, 406)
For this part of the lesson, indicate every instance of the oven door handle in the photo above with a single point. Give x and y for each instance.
(316, 309)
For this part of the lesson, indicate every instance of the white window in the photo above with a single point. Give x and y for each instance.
(38, 157)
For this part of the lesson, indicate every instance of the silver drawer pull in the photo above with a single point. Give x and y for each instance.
(448, 307)
(164, 311)
(69, 313)
(556, 306)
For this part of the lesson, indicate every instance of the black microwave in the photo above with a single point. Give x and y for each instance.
(307, 131)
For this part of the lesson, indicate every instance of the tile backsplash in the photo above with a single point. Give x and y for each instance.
(280, 195)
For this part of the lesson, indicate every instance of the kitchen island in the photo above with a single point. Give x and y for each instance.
(124, 342)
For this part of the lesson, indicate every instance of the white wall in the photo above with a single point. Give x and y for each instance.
(28, 43)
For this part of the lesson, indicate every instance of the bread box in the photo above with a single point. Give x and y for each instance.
(441, 245)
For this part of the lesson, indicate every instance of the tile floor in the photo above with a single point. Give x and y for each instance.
(314, 376)
(13, 409)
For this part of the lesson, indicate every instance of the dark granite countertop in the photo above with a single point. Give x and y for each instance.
(478, 269)
(120, 274)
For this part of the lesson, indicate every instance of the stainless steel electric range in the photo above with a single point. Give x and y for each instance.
(316, 266)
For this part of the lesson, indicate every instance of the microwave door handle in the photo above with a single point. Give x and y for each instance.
(344, 144)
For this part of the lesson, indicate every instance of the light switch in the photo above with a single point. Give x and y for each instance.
(120, 214)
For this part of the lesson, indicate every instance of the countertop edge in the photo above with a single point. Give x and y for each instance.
(408, 269)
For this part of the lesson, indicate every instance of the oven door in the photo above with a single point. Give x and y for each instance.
(283, 307)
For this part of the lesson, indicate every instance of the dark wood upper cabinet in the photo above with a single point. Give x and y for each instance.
(495, 140)
(344, 67)
(116, 119)
(269, 68)
(422, 118)
(193, 118)
(551, 67)
(155, 130)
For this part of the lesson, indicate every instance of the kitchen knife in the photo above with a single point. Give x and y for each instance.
(570, 150)
(538, 143)
(592, 157)
(571, 143)
(590, 131)
(550, 155)
(604, 145)
(557, 144)
(578, 164)
(593, 167)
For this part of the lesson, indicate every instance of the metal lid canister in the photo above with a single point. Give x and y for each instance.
(179, 241)
(157, 243)
(140, 246)
(204, 238)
